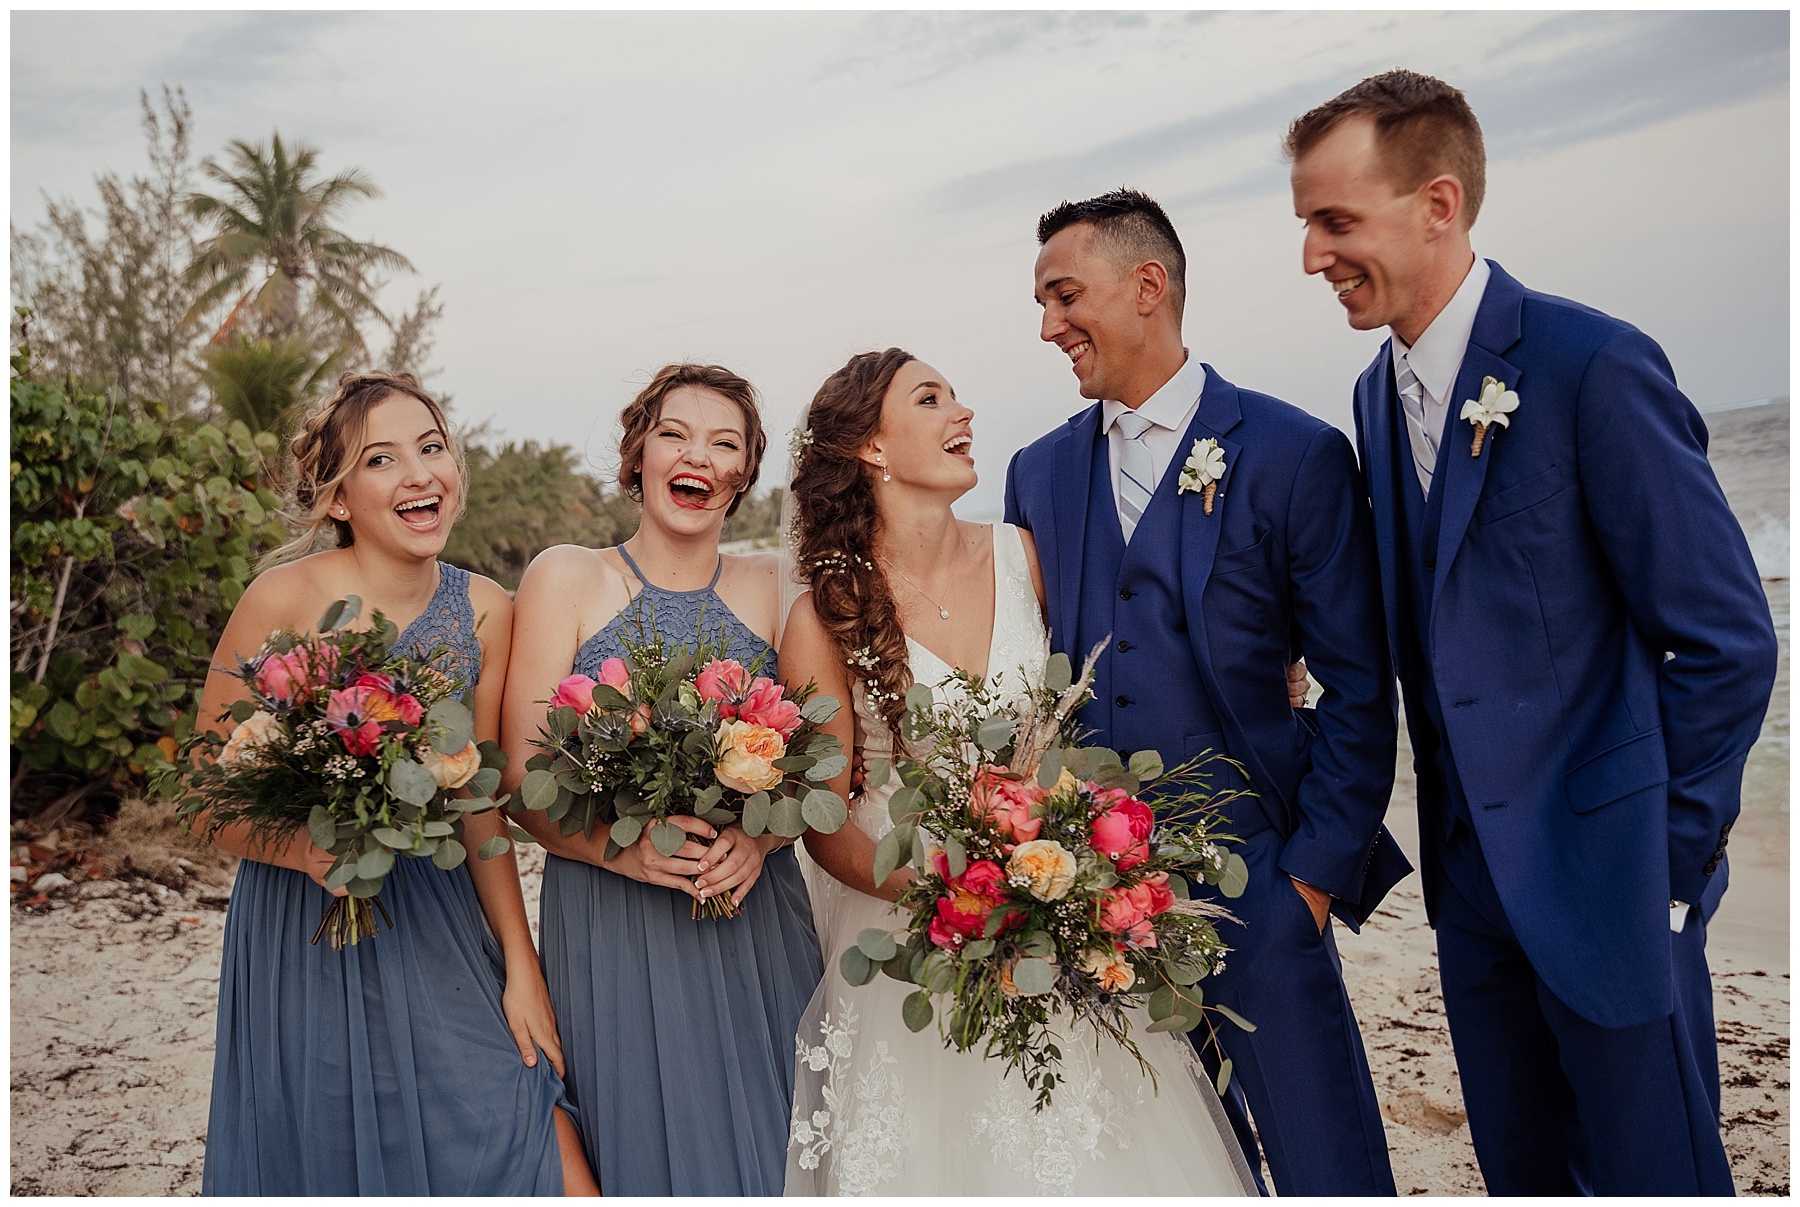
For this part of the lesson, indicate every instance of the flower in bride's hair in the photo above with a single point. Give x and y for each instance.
(799, 441)
(257, 730)
(451, 770)
(576, 692)
(746, 756)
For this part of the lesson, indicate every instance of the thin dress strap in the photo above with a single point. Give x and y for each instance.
(717, 570)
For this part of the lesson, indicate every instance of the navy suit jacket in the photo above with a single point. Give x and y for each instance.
(1598, 637)
(1284, 566)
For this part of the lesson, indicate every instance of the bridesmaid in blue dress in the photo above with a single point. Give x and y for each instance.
(423, 1060)
(678, 1033)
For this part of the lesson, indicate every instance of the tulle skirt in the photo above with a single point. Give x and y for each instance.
(677, 1033)
(879, 1109)
(385, 1068)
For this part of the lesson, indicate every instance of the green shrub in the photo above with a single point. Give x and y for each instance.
(134, 532)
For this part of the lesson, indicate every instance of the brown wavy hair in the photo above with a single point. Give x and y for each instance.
(836, 525)
(645, 411)
(324, 452)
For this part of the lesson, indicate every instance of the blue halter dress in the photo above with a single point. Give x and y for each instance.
(677, 1033)
(386, 1068)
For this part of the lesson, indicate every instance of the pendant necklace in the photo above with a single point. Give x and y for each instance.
(943, 612)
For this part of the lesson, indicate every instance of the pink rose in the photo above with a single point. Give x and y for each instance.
(985, 878)
(1015, 808)
(724, 681)
(962, 912)
(640, 720)
(576, 692)
(765, 706)
(1128, 912)
(284, 676)
(614, 675)
(1122, 833)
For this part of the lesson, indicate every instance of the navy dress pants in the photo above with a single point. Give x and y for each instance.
(1302, 1072)
(1559, 1105)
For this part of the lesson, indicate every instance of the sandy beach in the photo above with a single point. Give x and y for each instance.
(114, 970)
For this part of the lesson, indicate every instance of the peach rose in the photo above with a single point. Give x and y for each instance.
(1044, 866)
(747, 755)
(256, 730)
(451, 770)
(1113, 973)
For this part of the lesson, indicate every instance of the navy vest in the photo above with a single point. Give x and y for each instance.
(1148, 693)
(1416, 554)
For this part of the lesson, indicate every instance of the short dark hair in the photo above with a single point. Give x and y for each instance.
(1128, 225)
(1424, 128)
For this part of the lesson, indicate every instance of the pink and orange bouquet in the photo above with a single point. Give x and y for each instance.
(365, 751)
(1050, 877)
(669, 731)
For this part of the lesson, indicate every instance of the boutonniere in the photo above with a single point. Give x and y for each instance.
(1205, 467)
(1494, 406)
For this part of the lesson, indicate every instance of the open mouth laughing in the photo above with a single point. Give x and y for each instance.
(959, 445)
(421, 513)
(690, 491)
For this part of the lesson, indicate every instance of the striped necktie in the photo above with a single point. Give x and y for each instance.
(1412, 401)
(1137, 474)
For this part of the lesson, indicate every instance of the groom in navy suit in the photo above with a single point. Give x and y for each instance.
(1204, 596)
(1584, 650)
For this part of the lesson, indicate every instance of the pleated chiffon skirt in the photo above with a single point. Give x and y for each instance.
(385, 1068)
(678, 1034)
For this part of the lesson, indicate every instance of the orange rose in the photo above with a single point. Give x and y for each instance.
(451, 770)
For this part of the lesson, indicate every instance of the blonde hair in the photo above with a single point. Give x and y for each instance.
(324, 454)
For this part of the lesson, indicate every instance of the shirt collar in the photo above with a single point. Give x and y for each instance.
(1169, 406)
(1437, 358)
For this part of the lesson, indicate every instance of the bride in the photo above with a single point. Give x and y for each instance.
(901, 591)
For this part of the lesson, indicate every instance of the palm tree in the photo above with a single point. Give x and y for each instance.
(265, 382)
(274, 240)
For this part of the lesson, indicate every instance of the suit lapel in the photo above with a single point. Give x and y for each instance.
(1379, 405)
(1198, 533)
(1496, 331)
(1073, 459)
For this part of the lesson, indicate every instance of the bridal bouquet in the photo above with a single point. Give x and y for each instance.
(359, 747)
(1045, 882)
(676, 731)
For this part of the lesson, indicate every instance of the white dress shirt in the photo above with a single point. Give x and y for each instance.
(1169, 411)
(1436, 360)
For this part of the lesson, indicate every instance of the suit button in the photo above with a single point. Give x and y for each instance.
(1712, 865)
(1430, 562)
(1122, 701)
(1126, 592)
(1124, 647)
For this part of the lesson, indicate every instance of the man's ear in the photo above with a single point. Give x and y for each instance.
(1152, 286)
(1443, 198)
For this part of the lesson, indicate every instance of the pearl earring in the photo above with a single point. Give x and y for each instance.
(885, 476)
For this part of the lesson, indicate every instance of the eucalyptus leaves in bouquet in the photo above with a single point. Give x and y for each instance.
(672, 730)
(1051, 877)
(366, 751)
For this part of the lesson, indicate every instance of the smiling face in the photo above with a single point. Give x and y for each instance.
(404, 489)
(693, 461)
(925, 439)
(1382, 250)
(1094, 311)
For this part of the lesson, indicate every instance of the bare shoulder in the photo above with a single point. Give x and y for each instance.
(752, 571)
(292, 595)
(492, 604)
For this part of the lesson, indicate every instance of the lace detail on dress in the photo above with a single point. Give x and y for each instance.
(1051, 1147)
(681, 616)
(863, 1124)
(447, 624)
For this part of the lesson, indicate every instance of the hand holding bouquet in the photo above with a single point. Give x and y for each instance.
(356, 746)
(666, 732)
(1044, 882)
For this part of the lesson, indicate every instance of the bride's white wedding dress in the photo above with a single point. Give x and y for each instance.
(881, 1110)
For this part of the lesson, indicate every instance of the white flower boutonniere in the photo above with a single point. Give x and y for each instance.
(1495, 405)
(1203, 471)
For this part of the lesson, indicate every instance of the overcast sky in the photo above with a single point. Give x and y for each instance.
(601, 193)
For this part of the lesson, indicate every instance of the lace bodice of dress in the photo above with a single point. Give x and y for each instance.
(680, 616)
(447, 624)
(1016, 654)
